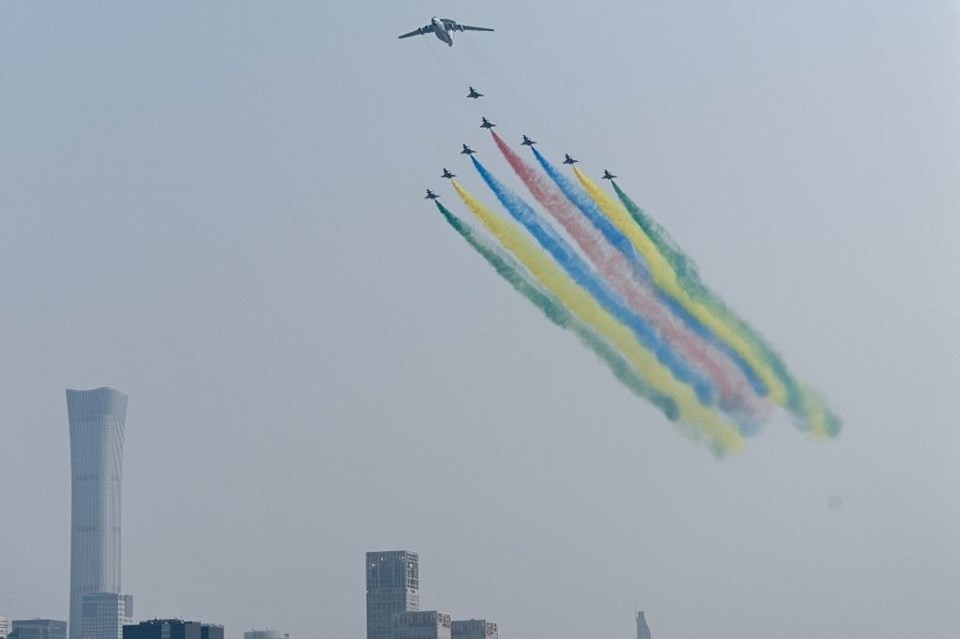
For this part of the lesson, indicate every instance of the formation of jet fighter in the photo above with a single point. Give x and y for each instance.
(444, 29)
(487, 124)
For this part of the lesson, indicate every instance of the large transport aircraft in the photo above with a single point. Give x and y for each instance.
(443, 28)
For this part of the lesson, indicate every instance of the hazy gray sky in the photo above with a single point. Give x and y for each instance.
(217, 208)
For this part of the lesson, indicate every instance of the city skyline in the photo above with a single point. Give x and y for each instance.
(393, 603)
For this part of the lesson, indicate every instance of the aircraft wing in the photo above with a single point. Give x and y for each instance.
(456, 26)
(420, 31)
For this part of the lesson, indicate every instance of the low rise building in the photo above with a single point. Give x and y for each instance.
(421, 624)
(172, 629)
(265, 634)
(39, 628)
(473, 629)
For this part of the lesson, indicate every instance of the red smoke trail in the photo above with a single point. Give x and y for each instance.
(736, 395)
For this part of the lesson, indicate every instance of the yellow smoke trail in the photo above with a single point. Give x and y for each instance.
(818, 417)
(722, 432)
(666, 279)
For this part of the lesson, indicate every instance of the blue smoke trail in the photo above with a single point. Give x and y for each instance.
(582, 200)
(581, 273)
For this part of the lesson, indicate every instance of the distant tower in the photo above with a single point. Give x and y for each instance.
(393, 587)
(96, 454)
(643, 630)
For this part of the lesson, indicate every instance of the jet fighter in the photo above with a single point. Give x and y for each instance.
(447, 174)
(607, 175)
(443, 28)
(487, 124)
(467, 150)
(474, 94)
(431, 195)
(527, 141)
(569, 160)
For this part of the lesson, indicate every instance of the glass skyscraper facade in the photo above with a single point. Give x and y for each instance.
(39, 629)
(393, 587)
(104, 614)
(96, 459)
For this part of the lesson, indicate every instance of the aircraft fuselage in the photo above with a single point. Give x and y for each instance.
(440, 29)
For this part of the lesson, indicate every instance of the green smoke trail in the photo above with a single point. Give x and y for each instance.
(669, 249)
(513, 273)
(802, 401)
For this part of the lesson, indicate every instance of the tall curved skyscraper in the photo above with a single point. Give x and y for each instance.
(96, 458)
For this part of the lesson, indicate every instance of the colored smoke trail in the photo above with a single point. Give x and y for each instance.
(557, 313)
(723, 434)
(735, 392)
(580, 271)
(594, 215)
(812, 406)
(678, 276)
(546, 193)
(590, 209)
(685, 268)
(666, 279)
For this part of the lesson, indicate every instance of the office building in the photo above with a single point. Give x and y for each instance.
(473, 629)
(172, 629)
(421, 624)
(265, 634)
(39, 628)
(104, 614)
(393, 587)
(4, 627)
(96, 458)
(643, 630)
